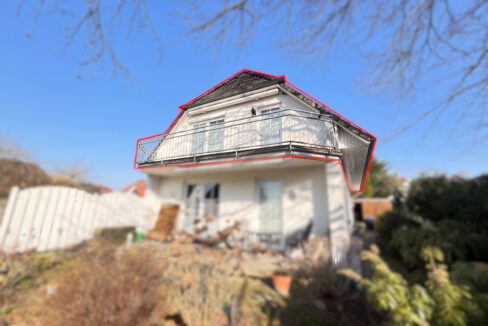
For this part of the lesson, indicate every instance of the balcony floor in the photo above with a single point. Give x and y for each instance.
(275, 150)
(277, 160)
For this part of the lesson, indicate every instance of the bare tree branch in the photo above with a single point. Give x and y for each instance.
(93, 27)
(407, 44)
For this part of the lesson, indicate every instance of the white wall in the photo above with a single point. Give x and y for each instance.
(294, 128)
(339, 209)
(303, 195)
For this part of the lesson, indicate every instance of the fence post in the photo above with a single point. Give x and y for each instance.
(7, 216)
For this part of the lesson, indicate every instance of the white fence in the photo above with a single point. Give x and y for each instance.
(50, 217)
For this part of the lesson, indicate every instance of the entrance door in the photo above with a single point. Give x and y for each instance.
(202, 203)
(270, 220)
(193, 206)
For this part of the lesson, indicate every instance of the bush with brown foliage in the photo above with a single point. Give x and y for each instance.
(107, 286)
(24, 175)
(21, 174)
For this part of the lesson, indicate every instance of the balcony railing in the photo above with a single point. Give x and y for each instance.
(271, 131)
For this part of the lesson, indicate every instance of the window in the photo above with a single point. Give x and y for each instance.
(216, 135)
(202, 204)
(270, 207)
(215, 132)
(270, 126)
(198, 138)
(211, 206)
(192, 209)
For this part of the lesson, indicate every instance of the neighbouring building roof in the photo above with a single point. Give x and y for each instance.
(137, 188)
(103, 189)
(243, 82)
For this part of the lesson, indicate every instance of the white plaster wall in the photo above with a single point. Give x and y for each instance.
(339, 210)
(294, 128)
(303, 196)
(310, 131)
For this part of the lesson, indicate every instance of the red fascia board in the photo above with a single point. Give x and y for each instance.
(369, 164)
(258, 159)
(328, 108)
(289, 84)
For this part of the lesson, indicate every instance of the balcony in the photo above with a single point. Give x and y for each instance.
(270, 131)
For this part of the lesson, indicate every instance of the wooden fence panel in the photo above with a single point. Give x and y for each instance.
(50, 217)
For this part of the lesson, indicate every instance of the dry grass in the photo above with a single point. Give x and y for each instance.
(21, 275)
(181, 284)
(106, 286)
(202, 282)
(149, 284)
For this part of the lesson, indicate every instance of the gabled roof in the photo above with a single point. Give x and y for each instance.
(355, 160)
(242, 82)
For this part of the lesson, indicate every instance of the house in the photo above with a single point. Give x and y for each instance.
(258, 150)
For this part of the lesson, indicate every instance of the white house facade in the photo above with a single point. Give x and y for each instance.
(255, 149)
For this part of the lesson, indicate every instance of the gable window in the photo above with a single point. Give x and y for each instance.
(270, 126)
(216, 135)
(198, 138)
(207, 137)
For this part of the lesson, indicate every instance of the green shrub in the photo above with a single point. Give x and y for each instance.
(452, 302)
(391, 221)
(452, 237)
(436, 198)
(439, 302)
(474, 275)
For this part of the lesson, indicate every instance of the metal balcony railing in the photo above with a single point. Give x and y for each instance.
(268, 131)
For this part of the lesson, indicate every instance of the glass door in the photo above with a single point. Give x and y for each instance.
(202, 204)
(270, 126)
(198, 138)
(193, 206)
(216, 135)
(270, 217)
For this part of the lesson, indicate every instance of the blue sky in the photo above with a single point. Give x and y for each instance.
(97, 119)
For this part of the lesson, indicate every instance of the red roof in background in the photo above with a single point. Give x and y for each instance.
(103, 189)
(139, 188)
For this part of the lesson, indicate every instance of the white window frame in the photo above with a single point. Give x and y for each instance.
(267, 124)
(215, 139)
(198, 138)
(205, 139)
(280, 203)
(204, 206)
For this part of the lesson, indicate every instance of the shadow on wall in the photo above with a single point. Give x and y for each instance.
(298, 206)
